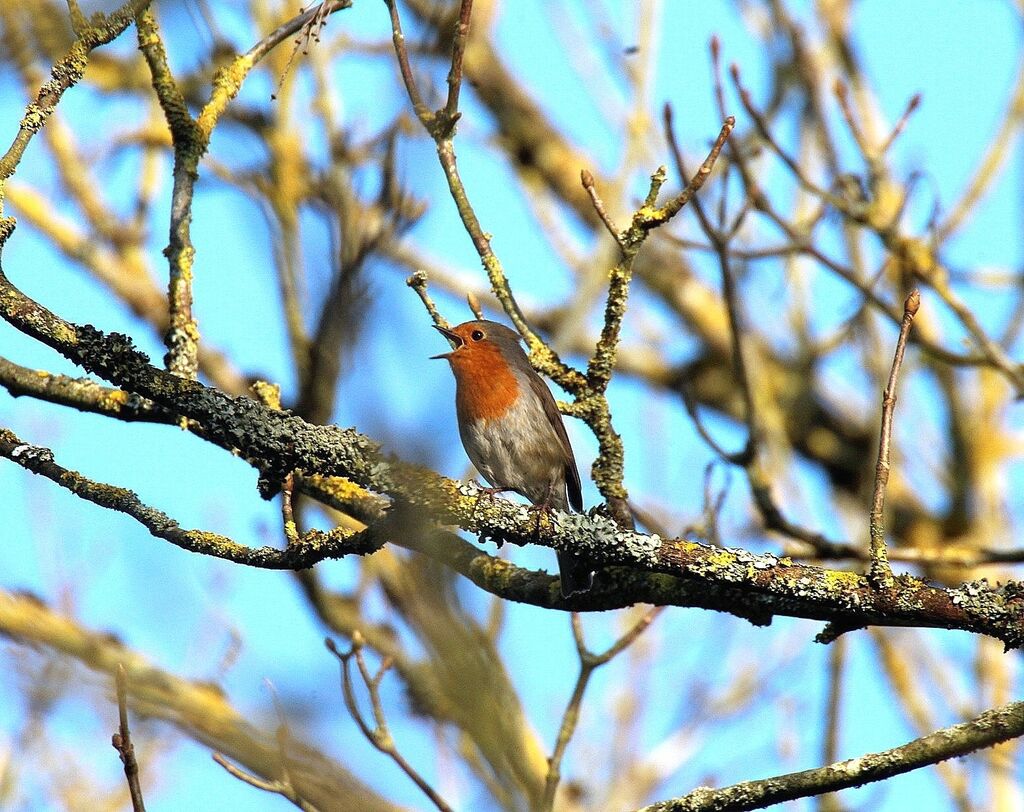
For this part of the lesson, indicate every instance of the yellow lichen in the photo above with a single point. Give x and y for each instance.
(114, 400)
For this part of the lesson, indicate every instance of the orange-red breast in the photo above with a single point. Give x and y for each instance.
(511, 428)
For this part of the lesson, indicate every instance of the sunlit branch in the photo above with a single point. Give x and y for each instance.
(880, 573)
(278, 443)
(273, 785)
(991, 727)
(313, 546)
(198, 708)
(67, 72)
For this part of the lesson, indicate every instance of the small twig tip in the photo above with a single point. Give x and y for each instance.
(417, 279)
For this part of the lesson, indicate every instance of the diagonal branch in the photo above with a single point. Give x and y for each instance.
(589, 663)
(380, 734)
(66, 73)
(191, 139)
(989, 728)
(314, 545)
(200, 709)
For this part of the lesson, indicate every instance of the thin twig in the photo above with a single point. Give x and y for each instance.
(380, 734)
(645, 219)
(402, 54)
(282, 788)
(703, 171)
(898, 128)
(122, 742)
(764, 130)
(748, 457)
(879, 570)
(589, 662)
(438, 125)
(919, 258)
(451, 109)
(418, 282)
(842, 95)
(587, 179)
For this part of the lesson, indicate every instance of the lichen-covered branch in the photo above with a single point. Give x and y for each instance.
(80, 393)
(277, 443)
(989, 728)
(191, 138)
(65, 73)
(182, 337)
(314, 545)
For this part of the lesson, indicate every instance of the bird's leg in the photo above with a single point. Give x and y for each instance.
(489, 491)
(542, 508)
(485, 491)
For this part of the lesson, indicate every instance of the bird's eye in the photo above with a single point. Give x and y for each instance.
(476, 335)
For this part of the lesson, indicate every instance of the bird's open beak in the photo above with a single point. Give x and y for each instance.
(453, 339)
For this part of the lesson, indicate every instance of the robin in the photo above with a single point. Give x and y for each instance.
(511, 428)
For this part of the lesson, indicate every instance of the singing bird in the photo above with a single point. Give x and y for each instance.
(511, 428)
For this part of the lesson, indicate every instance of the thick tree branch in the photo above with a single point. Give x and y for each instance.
(277, 443)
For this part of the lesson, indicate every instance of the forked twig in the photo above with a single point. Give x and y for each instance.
(589, 662)
(285, 790)
(379, 735)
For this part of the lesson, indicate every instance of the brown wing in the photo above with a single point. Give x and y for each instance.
(572, 475)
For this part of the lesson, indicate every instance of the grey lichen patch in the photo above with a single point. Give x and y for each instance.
(598, 538)
(992, 607)
(27, 454)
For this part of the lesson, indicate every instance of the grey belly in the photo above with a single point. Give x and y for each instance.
(511, 453)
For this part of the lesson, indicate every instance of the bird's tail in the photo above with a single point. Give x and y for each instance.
(577, 574)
